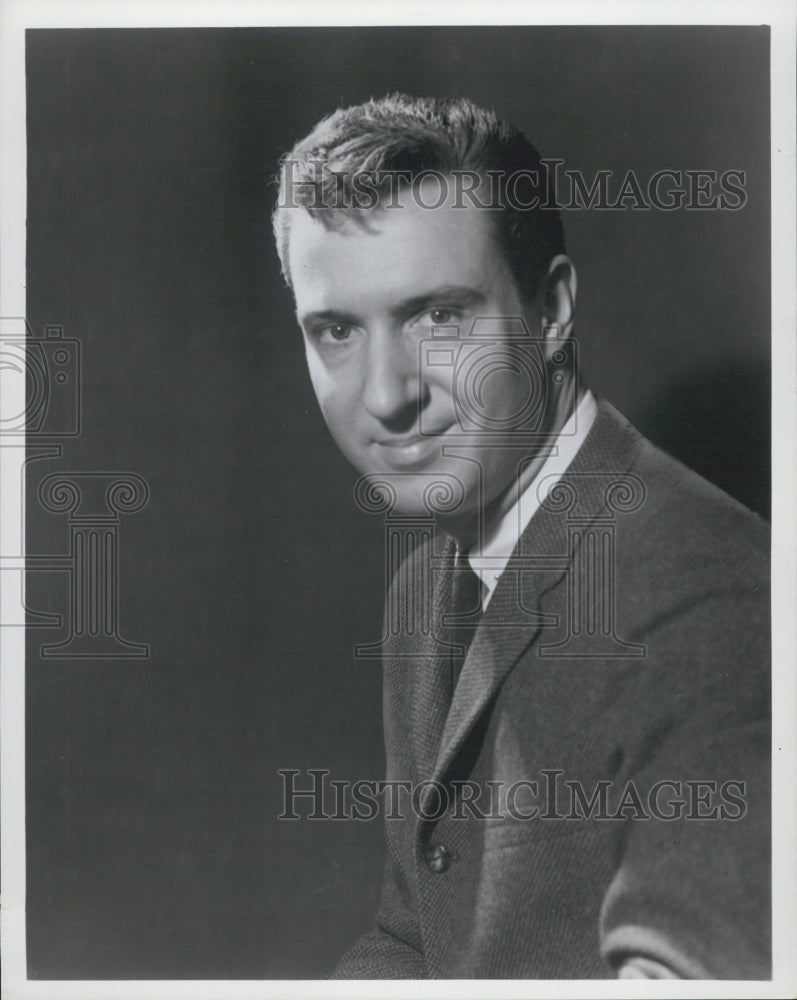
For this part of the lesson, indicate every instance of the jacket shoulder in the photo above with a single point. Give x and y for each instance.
(686, 524)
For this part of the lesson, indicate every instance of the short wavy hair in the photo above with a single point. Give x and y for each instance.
(410, 136)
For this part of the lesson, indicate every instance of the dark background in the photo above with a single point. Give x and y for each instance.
(153, 845)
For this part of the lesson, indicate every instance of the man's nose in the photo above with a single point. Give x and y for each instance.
(393, 391)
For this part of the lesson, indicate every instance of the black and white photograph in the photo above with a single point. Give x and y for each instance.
(398, 512)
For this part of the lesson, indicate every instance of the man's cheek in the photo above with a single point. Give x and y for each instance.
(341, 418)
(326, 388)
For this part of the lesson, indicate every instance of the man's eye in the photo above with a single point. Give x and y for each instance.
(335, 331)
(440, 316)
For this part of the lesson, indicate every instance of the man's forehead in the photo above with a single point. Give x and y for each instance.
(445, 244)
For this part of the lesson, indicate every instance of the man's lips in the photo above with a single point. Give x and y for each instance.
(411, 449)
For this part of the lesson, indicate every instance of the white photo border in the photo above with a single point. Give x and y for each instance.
(18, 15)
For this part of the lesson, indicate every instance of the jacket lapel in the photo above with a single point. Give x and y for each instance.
(539, 564)
(431, 672)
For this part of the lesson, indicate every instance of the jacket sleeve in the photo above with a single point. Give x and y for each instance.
(393, 949)
(692, 890)
(388, 951)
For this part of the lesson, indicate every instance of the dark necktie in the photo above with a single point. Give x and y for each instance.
(465, 612)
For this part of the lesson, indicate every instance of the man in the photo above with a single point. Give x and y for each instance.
(576, 658)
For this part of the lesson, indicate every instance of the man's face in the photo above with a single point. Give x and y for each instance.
(367, 299)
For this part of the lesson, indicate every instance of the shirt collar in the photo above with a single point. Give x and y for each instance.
(489, 558)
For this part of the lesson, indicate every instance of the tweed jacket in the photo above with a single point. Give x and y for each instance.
(625, 654)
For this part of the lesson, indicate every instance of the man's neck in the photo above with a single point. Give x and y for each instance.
(467, 531)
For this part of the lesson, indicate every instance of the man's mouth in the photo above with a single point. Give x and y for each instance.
(411, 449)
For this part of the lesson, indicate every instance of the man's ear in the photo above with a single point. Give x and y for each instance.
(558, 302)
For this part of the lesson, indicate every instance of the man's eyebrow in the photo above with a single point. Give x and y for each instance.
(327, 316)
(460, 295)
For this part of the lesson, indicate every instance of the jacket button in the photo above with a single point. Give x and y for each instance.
(438, 858)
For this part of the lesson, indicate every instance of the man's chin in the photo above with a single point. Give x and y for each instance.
(425, 494)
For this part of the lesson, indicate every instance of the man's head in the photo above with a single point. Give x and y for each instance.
(344, 158)
(429, 280)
